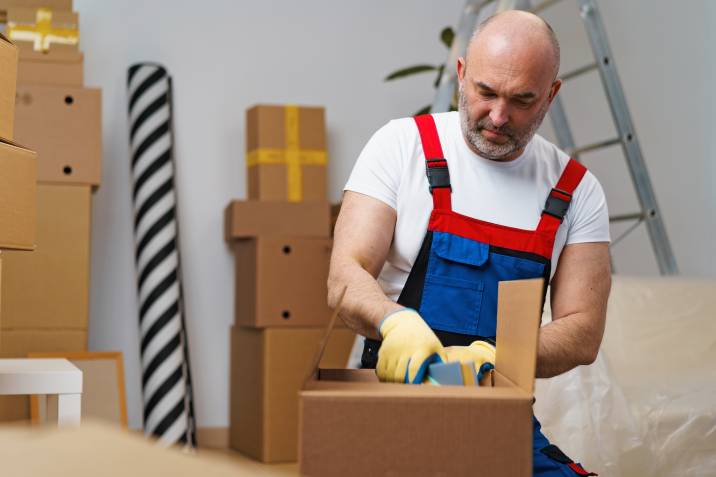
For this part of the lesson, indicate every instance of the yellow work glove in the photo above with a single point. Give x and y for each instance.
(480, 353)
(409, 346)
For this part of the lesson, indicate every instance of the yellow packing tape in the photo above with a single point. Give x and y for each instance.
(42, 33)
(293, 156)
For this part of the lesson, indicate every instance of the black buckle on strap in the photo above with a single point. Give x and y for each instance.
(438, 174)
(557, 206)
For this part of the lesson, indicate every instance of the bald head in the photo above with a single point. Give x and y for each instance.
(516, 32)
(507, 83)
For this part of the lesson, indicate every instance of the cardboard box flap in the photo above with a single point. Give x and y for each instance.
(313, 370)
(8, 142)
(518, 319)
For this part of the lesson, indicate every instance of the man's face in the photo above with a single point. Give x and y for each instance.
(502, 102)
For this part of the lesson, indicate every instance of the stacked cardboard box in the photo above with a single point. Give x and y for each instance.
(18, 170)
(45, 294)
(281, 242)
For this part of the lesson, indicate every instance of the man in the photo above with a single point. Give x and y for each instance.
(440, 208)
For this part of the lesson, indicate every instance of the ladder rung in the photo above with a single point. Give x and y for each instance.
(579, 71)
(544, 5)
(597, 145)
(626, 217)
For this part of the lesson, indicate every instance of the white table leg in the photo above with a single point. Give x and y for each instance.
(69, 409)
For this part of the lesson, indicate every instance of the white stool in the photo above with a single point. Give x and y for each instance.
(45, 376)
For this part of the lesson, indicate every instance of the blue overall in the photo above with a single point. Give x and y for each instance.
(453, 282)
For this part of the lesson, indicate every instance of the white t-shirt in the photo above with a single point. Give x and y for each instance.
(391, 168)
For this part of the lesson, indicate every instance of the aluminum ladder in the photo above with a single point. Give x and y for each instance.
(476, 11)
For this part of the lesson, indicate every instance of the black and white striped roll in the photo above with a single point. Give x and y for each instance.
(166, 379)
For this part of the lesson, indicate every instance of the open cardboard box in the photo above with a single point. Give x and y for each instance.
(352, 425)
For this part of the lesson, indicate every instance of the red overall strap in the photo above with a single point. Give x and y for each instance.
(560, 197)
(436, 166)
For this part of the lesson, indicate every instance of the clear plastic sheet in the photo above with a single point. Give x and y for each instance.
(647, 406)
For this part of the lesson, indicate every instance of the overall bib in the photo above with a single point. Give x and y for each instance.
(453, 282)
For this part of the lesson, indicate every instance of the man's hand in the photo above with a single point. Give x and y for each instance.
(409, 346)
(480, 354)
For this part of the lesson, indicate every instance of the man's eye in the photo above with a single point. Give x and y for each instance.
(486, 94)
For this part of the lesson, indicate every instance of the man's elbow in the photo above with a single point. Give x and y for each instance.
(589, 358)
(588, 354)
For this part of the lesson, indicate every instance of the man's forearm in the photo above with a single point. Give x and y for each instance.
(364, 304)
(566, 343)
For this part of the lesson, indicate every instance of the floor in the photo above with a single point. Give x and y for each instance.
(249, 467)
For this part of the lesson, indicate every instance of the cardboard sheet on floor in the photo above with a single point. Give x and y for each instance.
(95, 449)
(353, 425)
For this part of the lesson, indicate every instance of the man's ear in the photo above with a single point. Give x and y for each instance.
(460, 68)
(554, 89)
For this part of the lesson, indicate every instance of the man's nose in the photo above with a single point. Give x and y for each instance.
(499, 114)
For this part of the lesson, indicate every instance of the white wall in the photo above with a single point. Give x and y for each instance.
(227, 55)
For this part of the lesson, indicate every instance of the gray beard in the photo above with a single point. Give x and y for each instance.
(516, 140)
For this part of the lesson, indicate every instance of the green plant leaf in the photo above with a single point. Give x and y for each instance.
(424, 110)
(410, 70)
(447, 36)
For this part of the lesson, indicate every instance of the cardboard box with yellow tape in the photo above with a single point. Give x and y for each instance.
(286, 153)
(43, 29)
(49, 45)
